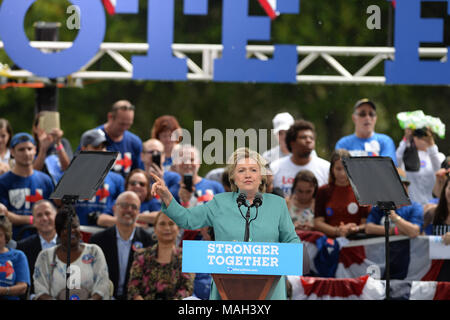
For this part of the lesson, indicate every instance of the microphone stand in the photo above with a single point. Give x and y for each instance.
(247, 216)
(247, 225)
(386, 207)
(69, 202)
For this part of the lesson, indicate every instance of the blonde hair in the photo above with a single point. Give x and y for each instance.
(246, 153)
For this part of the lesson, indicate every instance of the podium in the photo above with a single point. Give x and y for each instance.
(243, 270)
(244, 287)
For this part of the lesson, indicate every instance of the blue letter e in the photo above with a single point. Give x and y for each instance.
(410, 31)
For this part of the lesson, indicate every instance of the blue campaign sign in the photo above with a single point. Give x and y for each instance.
(224, 257)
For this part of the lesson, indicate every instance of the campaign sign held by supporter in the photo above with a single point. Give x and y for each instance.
(224, 257)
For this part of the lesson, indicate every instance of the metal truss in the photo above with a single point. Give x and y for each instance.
(200, 62)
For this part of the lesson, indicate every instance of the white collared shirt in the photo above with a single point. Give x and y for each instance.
(47, 245)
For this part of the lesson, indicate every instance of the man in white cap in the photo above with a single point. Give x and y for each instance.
(281, 123)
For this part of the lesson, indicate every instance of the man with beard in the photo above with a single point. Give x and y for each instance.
(120, 242)
(301, 141)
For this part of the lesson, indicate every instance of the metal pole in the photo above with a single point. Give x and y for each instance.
(387, 263)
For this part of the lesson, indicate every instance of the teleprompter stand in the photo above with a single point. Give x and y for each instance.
(81, 180)
(375, 182)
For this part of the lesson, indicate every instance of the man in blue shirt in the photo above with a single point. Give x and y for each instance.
(407, 220)
(98, 210)
(153, 147)
(23, 186)
(120, 242)
(365, 141)
(118, 138)
(186, 161)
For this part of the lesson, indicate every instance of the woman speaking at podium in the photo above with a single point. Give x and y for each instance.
(247, 176)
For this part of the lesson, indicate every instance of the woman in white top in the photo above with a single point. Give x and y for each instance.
(423, 180)
(89, 272)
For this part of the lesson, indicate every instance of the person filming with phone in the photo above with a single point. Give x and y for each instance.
(193, 189)
(153, 157)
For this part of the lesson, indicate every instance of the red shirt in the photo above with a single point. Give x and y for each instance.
(336, 204)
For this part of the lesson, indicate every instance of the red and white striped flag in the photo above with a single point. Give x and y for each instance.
(110, 6)
(269, 7)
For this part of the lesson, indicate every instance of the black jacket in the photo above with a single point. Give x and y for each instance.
(31, 246)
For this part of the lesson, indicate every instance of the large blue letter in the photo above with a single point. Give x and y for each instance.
(237, 29)
(159, 63)
(410, 31)
(52, 65)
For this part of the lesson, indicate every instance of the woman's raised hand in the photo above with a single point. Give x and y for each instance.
(159, 188)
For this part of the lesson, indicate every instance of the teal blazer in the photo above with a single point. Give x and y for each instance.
(273, 224)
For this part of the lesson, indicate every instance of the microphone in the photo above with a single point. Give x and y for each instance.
(242, 199)
(257, 201)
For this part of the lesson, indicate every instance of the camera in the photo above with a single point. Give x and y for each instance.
(420, 133)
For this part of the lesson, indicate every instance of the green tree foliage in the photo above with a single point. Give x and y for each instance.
(223, 105)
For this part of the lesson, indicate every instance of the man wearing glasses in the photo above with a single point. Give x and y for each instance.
(365, 141)
(121, 241)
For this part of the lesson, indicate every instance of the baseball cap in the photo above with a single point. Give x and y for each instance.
(364, 101)
(93, 137)
(21, 137)
(282, 121)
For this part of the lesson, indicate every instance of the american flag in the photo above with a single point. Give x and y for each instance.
(269, 7)
(110, 6)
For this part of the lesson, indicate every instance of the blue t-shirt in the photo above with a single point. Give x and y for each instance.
(204, 190)
(13, 269)
(412, 213)
(377, 145)
(151, 205)
(19, 194)
(103, 201)
(172, 181)
(167, 164)
(129, 148)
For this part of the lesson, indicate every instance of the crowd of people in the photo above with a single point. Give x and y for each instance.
(154, 198)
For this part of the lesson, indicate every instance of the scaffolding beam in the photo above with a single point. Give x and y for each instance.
(200, 61)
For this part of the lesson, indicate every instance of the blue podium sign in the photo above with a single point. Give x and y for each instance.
(242, 257)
